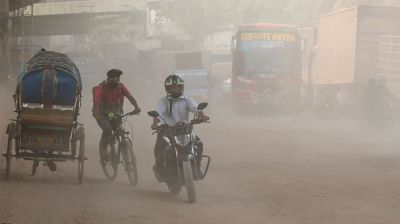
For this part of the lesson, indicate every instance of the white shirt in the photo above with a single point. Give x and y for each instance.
(179, 111)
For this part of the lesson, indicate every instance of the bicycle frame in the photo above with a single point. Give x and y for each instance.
(119, 134)
(124, 148)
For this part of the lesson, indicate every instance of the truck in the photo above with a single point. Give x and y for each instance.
(266, 67)
(355, 47)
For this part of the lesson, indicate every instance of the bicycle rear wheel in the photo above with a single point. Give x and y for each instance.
(129, 161)
(109, 162)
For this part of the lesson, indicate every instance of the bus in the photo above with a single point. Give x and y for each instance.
(266, 66)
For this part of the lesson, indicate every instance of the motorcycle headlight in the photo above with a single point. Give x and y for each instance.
(182, 139)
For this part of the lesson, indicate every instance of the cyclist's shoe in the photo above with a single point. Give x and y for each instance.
(113, 158)
(104, 156)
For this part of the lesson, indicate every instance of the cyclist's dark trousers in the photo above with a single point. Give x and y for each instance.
(160, 147)
(107, 126)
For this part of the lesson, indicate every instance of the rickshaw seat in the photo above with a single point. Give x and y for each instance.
(50, 116)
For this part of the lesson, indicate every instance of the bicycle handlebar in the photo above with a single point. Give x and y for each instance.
(112, 116)
(129, 114)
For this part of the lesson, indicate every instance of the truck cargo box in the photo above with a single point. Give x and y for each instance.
(347, 43)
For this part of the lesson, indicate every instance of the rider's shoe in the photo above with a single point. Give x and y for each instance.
(157, 174)
(200, 173)
(160, 176)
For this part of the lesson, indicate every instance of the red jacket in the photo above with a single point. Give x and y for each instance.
(110, 97)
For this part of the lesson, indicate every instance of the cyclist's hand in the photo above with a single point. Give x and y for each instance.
(153, 126)
(136, 110)
(100, 118)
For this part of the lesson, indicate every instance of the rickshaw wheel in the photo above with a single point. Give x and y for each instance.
(11, 131)
(81, 158)
(8, 156)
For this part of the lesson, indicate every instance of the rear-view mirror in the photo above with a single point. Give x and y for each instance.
(201, 106)
(153, 113)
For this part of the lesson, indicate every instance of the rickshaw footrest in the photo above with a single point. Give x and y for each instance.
(32, 156)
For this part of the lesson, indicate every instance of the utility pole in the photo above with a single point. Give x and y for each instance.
(22, 34)
(3, 9)
(32, 27)
(4, 29)
(3, 23)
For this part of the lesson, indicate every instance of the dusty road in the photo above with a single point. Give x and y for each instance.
(280, 170)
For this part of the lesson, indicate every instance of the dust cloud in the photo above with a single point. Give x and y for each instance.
(268, 160)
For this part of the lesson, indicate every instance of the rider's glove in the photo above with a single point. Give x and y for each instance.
(204, 118)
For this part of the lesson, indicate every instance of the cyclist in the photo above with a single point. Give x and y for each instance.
(108, 99)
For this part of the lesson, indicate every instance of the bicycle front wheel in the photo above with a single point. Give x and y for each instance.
(109, 162)
(129, 161)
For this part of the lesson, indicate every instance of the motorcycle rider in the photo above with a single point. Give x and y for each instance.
(108, 99)
(173, 108)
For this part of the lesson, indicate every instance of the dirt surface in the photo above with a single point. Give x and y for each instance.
(265, 169)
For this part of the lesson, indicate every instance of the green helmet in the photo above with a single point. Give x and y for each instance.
(174, 80)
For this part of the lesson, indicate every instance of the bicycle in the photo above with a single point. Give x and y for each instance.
(110, 158)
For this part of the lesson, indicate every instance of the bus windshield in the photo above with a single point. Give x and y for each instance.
(273, 60)
(269, 56)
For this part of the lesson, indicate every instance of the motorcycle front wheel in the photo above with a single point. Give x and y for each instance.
(189, 182)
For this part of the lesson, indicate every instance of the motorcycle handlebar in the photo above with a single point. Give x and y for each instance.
(199, 121)
(194, 121)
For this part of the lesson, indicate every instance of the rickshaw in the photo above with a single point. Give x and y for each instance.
(47, 101)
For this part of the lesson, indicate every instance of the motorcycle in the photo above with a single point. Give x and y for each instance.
(181, 155)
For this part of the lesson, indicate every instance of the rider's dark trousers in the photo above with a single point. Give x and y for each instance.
(107, 126)
(160, 147)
